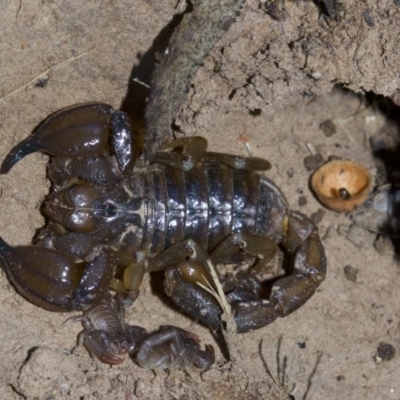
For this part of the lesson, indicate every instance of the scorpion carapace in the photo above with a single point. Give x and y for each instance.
(183, 211)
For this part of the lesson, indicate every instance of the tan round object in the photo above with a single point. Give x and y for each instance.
(341, 185)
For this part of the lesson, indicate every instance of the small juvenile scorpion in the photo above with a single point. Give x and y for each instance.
(113, 216)
(107, 336)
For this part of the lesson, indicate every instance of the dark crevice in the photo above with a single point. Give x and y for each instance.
(249, 79)
(29, 355)
(17, 392)
(385, 147)
(328, 8)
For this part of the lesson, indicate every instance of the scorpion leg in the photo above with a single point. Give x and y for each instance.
(81, 130)
(238, 162)
(290, 292)
(309, 266)
(188, 281)
(193, 149)
(131, 280)
(53, 280)
(189, 284)
(250, 245)
(185, 281)
(174, 348)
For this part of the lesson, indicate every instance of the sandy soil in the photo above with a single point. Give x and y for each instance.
(264, 89)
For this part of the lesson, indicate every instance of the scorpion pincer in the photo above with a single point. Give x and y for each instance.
(112, 216)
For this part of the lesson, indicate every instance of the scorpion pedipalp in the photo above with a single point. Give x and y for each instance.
(81, 130)
(52, 279)
(75, 131)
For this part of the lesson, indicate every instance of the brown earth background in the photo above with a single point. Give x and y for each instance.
(265, 88)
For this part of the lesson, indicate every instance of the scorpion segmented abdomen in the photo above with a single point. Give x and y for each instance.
(197, 205)
(207, 204)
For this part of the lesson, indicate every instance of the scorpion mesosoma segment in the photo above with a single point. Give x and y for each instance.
(112, 216)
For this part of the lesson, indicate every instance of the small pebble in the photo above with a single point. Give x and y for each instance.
(42, 81)
(385, 352)
(350, 273)
(140, 388)
(328, 127)
(275, 10)
(369, 17)
(317, 216)
(360, 237)
(384, 246)
(302, 201)
(290, 173)
(312, 162)
(343, 230)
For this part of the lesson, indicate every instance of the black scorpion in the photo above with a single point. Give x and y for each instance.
(113, 216)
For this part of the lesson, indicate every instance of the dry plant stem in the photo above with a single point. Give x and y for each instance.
(191, 42)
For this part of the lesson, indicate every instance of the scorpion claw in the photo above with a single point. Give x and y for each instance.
(49, 278)
(81, 130)
(75, 131)
(100, 346)
(21, 150)
(43, 276)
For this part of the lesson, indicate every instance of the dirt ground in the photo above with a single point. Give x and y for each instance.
(264, 90)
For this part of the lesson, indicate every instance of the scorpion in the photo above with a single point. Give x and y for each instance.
(112, 216)
(171, 347)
